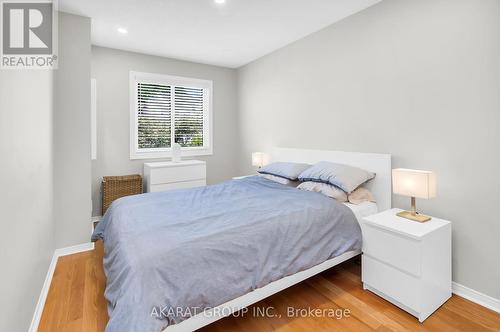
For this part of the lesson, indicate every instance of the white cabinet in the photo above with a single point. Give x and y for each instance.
(406, 262)
(169, 175)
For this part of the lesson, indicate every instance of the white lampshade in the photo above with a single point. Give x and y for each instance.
(259, 159)
(414, 183)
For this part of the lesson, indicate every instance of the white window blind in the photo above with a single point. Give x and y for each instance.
(154, 115)
(188, 116)
(167, 109)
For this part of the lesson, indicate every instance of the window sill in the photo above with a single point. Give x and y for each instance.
(168, 154)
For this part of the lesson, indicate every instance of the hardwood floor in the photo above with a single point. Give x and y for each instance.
(76, 303)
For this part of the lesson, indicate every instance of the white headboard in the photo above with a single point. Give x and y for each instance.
(378, 163)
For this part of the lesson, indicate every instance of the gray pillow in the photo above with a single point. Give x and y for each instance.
(280, 180)
(286, 170)
(347, 178)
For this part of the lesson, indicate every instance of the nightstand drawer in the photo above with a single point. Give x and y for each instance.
(178, 174)
(392, 248)
(399, 286)
(177, 185)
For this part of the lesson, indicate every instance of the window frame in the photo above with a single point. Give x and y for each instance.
(152, 153)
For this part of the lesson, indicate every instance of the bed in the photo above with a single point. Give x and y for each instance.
(179, 260)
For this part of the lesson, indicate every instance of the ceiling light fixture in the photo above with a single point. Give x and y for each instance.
(220, 2)
(122, 31)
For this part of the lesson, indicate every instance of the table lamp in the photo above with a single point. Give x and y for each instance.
(258, 159)
(414, 183)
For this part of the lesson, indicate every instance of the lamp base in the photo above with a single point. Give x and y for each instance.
(415, 217)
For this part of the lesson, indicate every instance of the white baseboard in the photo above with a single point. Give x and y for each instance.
(74, 249)
(43, 295)
(48, 279)
(476, 297)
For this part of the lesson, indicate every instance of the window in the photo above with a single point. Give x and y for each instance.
(166, 109)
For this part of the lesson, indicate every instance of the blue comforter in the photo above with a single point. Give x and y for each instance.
(169, 255)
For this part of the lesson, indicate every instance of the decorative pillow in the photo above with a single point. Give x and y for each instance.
(360, 195)
(281, 180)
(324, 188)
(347, 178)
(286, 170)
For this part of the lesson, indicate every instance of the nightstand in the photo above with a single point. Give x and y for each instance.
(406, 262)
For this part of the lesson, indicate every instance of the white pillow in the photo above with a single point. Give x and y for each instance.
(279, 179)
(360, 195)
(324, 188)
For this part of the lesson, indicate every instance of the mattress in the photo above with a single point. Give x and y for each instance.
(362, 210)
(194, 249)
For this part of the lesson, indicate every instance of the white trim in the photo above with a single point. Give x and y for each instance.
(37, 315)
(74, 249)
(207, 85)
(95, 219)
(167, 153)
(226, 309)
(175, 80)
(476, 297)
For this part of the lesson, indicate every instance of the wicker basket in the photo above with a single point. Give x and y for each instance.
(114, 187)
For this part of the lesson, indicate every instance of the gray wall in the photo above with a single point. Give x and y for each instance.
(111, 69)
(72, 132)
(44, 131)
(417, 79)
(27, 241)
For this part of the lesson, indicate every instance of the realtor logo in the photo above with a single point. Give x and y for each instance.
(28, 31)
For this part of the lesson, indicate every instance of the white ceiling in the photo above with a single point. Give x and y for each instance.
(229, 35)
